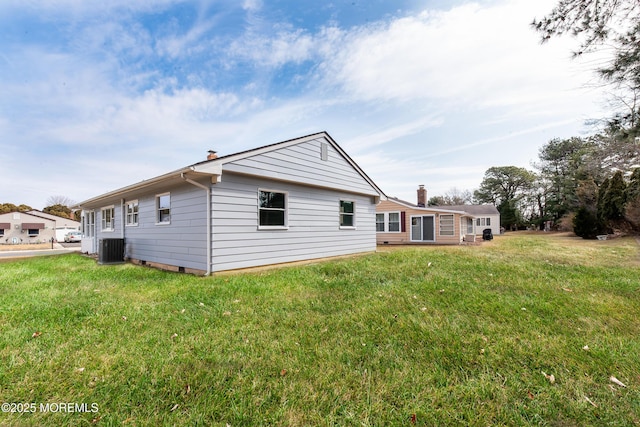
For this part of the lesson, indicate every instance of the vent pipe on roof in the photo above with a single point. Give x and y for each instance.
(212, 155)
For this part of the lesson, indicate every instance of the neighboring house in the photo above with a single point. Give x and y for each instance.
(299, 199)
(486, 216)
(63, 225)
(23, 228)
(401, 222)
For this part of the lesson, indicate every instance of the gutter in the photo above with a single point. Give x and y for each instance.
(209, 221)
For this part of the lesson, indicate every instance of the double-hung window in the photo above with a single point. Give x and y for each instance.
(347, 214)
(272, 209)
(388, 222)
(163, 208)
(132, 212)
(394, 222)
(380, 223)
(107, 217)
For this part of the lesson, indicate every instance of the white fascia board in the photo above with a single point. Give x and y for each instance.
(213, 170)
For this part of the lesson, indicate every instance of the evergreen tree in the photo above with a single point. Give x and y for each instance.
(632, 208)
(612, 207)
(585, 223)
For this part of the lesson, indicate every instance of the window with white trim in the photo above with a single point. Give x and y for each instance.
(132, 212)
(394, 222)
(33, 232)
(272, 209)
(380, 222)
(107, 218)
(469, 226)
(90, 218)
(447, 225)
(347, 214)
(163, 208)
(388, 222)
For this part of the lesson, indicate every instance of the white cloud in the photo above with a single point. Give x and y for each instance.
(434, 98)
(471, 54)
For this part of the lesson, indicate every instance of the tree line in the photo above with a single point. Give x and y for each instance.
(590, 184)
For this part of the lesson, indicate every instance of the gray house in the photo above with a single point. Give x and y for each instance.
(299, 199)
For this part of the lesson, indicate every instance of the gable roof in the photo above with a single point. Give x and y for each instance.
(213, 168)
(476, 210)
(30, 215)
(471, 210)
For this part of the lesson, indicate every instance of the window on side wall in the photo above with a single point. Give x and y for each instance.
(132, 212)
(380, 223)
(163, 208)
(272, 209)
(347, 214)
(107, 218)
(446, 225)
(394, 222)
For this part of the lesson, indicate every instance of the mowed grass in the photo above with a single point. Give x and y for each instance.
(407, 336)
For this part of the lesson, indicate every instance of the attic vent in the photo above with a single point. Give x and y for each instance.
(324, 151)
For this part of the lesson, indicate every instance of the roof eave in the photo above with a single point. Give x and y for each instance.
(211, 169)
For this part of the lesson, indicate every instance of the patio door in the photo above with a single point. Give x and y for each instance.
(88, 244)
(423, 228)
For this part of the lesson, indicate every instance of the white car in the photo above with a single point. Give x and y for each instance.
(73, 236)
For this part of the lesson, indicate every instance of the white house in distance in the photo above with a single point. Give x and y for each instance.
(25, 228)
(63, 225)
(299, 199)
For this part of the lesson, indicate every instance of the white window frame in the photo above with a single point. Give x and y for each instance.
(104, 225)
(470, 227)
(422, 228)
(284, 226)
(341, 215)
(90, 217)
(380, 222)
(132, 213)
(157, 208)
(449, 228)
(387, 222)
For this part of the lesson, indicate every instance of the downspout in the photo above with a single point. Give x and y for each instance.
(209, 224)
(123, 217)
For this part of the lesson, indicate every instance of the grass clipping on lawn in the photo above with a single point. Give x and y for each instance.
(526, 329)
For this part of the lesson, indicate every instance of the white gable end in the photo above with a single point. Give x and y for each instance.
(314, 162)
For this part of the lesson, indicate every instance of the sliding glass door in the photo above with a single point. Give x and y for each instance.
(423, 228)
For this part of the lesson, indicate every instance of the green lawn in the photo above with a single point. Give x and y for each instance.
(427, 336)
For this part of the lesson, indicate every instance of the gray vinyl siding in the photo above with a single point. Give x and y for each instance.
(302, 163)
(313, 224)
(181, 243)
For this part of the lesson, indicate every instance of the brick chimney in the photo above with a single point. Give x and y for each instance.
(212, 155)
(422, 196)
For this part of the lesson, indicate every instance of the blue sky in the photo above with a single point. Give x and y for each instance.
(96, 95)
